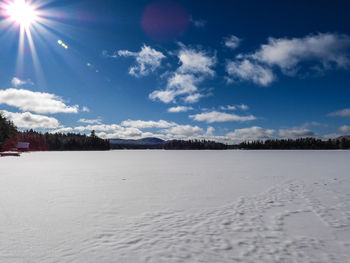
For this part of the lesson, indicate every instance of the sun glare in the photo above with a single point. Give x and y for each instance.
(21, 12)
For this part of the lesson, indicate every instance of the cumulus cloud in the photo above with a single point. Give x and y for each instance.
(246, 70)
(17, 82)
(195, 67)
(345, 129)
(147, 60)
(95, 121)
(324, 49)
(28, 120)
(210, 131)
(178, 84)
(128, 133)
(196, 62)
(312, 53)
(184, 130)
(232, 42)
(38, 102)
(215, 116)
(193, 98)
(296, 133)
(147, 124)
(345, 113)
(250, 134)
(179, 109)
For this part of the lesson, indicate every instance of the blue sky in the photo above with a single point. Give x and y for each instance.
(221, 70)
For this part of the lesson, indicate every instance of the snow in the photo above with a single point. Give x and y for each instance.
(175, 206)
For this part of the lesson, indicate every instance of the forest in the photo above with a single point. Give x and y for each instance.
(194, 145)
(297, 144)
(10, 137)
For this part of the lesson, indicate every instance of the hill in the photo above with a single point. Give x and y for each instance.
(144, 143)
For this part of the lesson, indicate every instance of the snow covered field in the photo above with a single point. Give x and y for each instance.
(175, 206)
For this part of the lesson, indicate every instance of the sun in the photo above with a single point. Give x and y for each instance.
(21, 12)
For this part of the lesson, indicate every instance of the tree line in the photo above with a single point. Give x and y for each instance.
(10, 137)
(297, 144)
(194, 145)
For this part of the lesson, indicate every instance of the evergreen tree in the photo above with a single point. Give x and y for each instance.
(7, 129)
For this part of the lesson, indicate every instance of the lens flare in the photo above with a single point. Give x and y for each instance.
(61, 43)
(21, 13)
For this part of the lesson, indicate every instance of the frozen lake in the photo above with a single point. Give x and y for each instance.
(175, 206)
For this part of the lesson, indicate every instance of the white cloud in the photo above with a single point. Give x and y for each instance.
(62, 130)
(184, 130)
(106, 131)
(131, 129)
(345, 129)
(95, 121)
(250, 134)
(327, 50)
(232, 42)
(228, 107)
(31, 121)
(165, 96)
(345, 113)
(148, 124)
(179, 109)
(312, 53)
(210, 131)
(17, 82)
(178, 84)
(196, 65)
(246, 70)
(234, 107)
(193, 98)
(196, 62)
(129, 133)
(148, 60)
(111, 131)
(99, 127)
(38, 102)
(215, 116)
(183, 83)
(296, 133)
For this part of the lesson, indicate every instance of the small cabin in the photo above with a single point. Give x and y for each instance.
(23, 146)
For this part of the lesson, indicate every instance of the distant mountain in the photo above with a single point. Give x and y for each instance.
(156, 143)
(144, 143)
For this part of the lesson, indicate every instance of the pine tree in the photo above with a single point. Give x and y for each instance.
(7, 129)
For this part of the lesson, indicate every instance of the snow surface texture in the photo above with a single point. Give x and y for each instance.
(175, 206)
